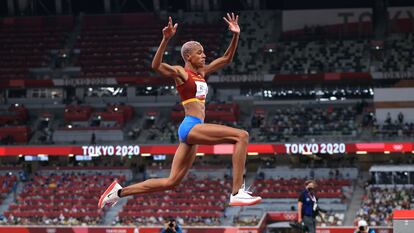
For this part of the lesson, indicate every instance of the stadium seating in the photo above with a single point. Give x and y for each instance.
(64, 198)
(257, 28)
(83, 123)
(207, 34)
(112, 113)
(327, 188)
(7, 181)
(28, 42)
(397, 54)
(289, 122)
(196, 202)
(13, 128)
(390, 128)
(378, 204)
(303, 57)
(118, 45)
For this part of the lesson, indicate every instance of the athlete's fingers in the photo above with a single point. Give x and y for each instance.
(169, 21)
(226, 20)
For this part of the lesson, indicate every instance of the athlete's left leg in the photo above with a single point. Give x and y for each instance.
(182, 162)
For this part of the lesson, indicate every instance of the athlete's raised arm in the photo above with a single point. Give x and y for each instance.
(157, 64)
(232, 21)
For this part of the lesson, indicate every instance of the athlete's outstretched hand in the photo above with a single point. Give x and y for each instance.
(169, 30)
(232, 21)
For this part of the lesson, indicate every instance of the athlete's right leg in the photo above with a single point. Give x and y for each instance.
(183, 159)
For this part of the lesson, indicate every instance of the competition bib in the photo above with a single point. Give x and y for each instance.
(202, 90)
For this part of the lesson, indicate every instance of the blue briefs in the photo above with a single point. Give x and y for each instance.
(188, 123)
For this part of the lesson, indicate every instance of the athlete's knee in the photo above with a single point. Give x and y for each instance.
(243, 136)
(171, 183)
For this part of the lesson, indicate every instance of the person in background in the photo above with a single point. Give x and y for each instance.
(308, 207)
(363, 227)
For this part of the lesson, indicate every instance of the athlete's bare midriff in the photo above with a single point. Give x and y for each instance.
(195, 109)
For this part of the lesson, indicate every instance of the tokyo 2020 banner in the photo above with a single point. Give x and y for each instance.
(224, 149)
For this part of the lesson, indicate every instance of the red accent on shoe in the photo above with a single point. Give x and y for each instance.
(106, 193)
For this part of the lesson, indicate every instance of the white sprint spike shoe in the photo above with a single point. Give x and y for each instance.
(244, 198)
(110, 196)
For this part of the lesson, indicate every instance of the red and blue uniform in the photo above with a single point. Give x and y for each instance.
(194, 89)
